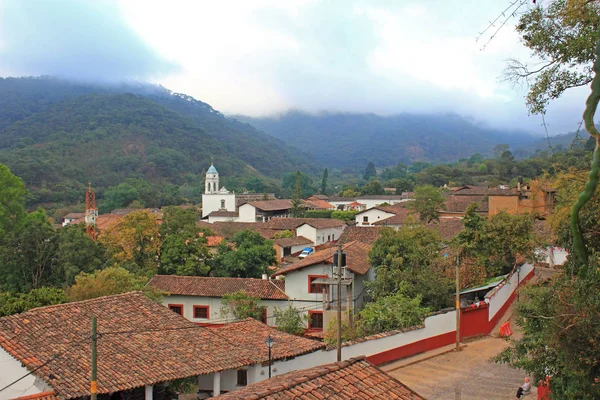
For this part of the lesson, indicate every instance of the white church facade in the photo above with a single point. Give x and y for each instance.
(216, 198)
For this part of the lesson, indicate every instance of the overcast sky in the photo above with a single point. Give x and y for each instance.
(263, 57)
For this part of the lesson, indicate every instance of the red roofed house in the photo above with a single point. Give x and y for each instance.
(142, 346)
(308, 283)
(199, 299)
(375, 215)
(355, 378)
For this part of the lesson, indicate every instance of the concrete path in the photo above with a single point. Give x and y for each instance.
(465, 375)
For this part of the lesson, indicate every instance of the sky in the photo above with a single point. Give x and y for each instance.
(264, 57)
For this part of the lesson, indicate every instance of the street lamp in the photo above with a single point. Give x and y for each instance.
(518, 280)
(269, 342)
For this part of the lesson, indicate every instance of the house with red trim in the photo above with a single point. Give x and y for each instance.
(45, 353)
(199, 298)
(311, 283)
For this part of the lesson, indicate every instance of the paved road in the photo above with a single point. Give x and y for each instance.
(477, 377)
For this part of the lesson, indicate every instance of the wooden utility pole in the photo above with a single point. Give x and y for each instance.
(93, 377)
(339, 301)
(457, 262)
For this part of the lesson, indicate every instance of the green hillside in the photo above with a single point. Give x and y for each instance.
(57, 136)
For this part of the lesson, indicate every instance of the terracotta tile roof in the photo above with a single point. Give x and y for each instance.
(293, 223)
(318, 204)
(74, 215)
(447, 227)
(381, 197)
(219, 286)
(293, 241)
(103, 221)
(272, 205)
(229, 229)
(318, 196)
(214, 241)
(363, 234)
(472, 191)
(357, 255)
(223, 213)
(246, 197)
(140, 343)
(355, 378)
(398, 217)
(340, 198)
(460, 204)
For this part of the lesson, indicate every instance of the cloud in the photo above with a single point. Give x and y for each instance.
(74, 39)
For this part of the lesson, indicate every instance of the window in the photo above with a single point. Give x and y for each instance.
(316, 288)
(176, 308)
(201, 312)
(242, 377)
(329, 238)
(222, 203)
(366, 219)
(333, 237)
(315, 319)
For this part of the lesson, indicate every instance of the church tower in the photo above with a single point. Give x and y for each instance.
(211, 182)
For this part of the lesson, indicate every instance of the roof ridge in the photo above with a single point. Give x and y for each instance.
(95, 299)
(209, 277)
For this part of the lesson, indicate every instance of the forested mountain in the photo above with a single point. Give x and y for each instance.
(58, 135)
(356, 139)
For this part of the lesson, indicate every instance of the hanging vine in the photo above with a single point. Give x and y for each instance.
(592, 182)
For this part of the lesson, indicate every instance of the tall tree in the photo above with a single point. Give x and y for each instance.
(324, 181)
(428, 203)
(250, 257)
(373, 187)
(112, 280)
(297, 210)
(563, 35)
(370, 172)
(12, 200)
(76, 253)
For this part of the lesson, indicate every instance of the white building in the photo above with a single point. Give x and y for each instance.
(216, 198)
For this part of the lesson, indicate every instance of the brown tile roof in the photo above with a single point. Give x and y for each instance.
(318, 196)
(293, 223)
(381, 197)
(472, 191)
(272, 205)
(223, 213)
(460, 204)
(447, 227)
(318, 204)
(397, 219)
(357, 255)
(74, 215)
(219, 286)
(140, 342)
(214, 241)
(363, 234)
(355, 378)
(356, 204)
(229, 229)
(246, 197)
(293, 241)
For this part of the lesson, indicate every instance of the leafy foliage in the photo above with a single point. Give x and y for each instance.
(240, 305)
(318, 213)
(428, 203)
(289, 320)
(13, 303)
(250, 258)
(109, 281)
(370, 172)
(344, 215)
(396, 311)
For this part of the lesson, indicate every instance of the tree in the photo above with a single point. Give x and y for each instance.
(119, 196)
(428, 203)
(350, 192)
(324, 182)
(29, 260)
(14, 303)
(372, 187)
(289, 320)
(290, 182)
(250, 256)
(563, 36)
(344, 215)
(297, 210)
(255, 185)
(76, 253)
(240, 305)
(395, 311)
(370, 172)
(12, 200)
(109, 281)
(134, 243)
(403, 263)
(283, 234)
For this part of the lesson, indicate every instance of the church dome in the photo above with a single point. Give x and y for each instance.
(212, 170)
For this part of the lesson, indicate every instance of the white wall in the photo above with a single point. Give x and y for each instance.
(212, 219)
(502, 292)
(247, 213)
(319, 236)
(10, 371)
(212, 202)
(308, 232)
(215, 305)
(373, 214)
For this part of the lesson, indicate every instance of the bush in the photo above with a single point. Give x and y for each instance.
(346, 216)
(318, 213)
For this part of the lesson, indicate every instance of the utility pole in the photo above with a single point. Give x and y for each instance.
(93, 377)
(339, 301)
(457, 262)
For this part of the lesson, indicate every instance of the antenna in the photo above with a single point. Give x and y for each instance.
(91, 213)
